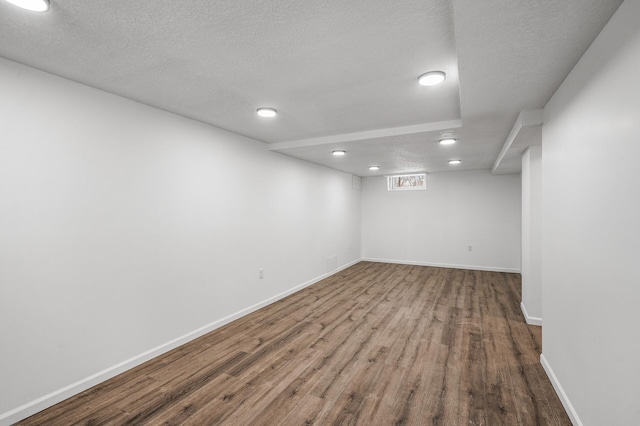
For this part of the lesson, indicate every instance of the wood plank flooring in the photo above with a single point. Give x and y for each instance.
(375, 344)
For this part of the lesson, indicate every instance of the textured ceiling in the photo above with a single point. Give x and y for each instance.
(341, 74)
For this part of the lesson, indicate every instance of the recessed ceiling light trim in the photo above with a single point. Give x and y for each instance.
(266, 112)
(454, 162)
(447, 138)
(339, 152)
(432, 78)
(374, 168)
(31, 5)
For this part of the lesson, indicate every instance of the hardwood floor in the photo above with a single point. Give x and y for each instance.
(376, 344)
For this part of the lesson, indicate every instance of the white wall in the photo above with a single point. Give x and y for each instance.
(591, 229)
(436, 226)
(532, 235)
(123, 227)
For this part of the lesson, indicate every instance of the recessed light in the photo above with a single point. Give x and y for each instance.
(32, 5)
(431, 78)
(446, 138)
(266, 112)
(374, 168)
(455, 161)
(339, 152)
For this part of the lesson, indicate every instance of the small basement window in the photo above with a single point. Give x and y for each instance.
(407, 182)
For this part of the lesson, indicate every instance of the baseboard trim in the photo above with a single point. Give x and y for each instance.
(568, 407)
(529, 319)
(443, 265)
(46, 401)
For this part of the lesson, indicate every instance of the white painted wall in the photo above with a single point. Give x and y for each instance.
(532, 235)
(123, 227)
(591, 228)
(436, 226)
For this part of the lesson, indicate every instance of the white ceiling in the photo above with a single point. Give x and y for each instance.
(342, 74)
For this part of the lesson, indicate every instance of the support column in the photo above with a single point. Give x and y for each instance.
(532, 235)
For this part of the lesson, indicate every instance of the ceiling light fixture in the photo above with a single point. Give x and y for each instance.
(339, 152)
(266, 112)
(32, 5)
(431, 78)
(446, 138)
(374, 168)
(454, 162)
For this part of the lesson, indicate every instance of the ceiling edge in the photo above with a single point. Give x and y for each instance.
(525, 119)
(369, 134)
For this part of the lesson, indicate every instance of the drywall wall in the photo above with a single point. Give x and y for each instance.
(436, 226)
(591, 212)
(123, 227)
(532, 235)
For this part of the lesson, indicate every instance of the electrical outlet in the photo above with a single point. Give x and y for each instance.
(260, 273)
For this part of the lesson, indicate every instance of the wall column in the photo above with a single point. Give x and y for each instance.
(532, 235)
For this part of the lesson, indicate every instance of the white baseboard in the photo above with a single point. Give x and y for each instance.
(568, 407)
(530, 320)
(444, 265)
(60, 395)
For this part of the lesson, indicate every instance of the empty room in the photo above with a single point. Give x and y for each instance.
(418, 212)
